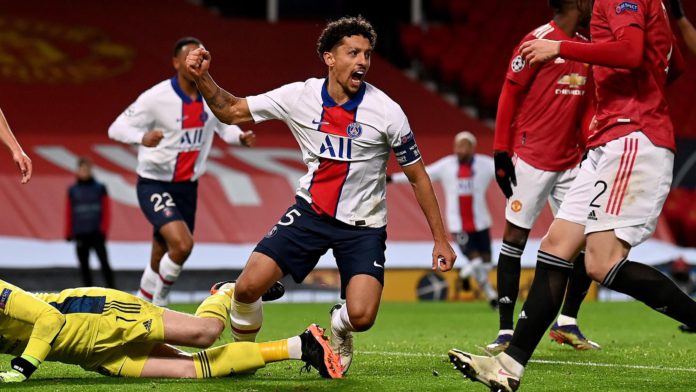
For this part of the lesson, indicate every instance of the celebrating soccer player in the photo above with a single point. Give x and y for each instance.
(345, 128)
(615, 201)
(174, 129)
(117, 334)
(540, 116)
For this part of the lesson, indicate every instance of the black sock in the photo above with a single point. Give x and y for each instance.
(578, 286)
(542, 305)
(653, 288)
(508, 283)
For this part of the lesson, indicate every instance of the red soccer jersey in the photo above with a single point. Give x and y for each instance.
(547, 124)
(633, 99)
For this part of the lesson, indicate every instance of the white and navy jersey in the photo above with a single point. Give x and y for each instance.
(188, 128)
(465, 185)
(345, 147)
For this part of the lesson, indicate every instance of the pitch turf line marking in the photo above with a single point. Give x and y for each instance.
(542, 361)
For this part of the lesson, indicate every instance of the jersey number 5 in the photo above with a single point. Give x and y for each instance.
(162, 201)
(291, 217)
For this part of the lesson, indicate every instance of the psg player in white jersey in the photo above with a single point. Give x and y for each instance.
(345, 128)
(465, 177)
(174, 129)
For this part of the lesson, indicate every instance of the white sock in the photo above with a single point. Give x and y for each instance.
(295, 347)
(510, 364)
(169, 272)
(565, 320)
(340, 322)
(147, 284)
(481, 274)
(506, 332)
(246, 320)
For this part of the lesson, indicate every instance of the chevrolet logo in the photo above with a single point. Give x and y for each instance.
(573, 80)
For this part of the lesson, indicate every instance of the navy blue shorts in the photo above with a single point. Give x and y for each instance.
(475, 241)
(302, 236)
(163, 202)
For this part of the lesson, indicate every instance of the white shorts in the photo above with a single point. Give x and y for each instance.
(621, 186)
(534, 188)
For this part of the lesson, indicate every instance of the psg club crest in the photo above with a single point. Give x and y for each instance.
(354, 130)
(272, 232)
(204, 116)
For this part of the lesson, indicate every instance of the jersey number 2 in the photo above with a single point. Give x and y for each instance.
(604, 189)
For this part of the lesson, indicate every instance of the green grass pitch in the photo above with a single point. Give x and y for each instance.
(406, 351)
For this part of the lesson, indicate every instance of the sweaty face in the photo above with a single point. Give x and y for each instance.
(349, 61)
(179, 61)
(464, 150)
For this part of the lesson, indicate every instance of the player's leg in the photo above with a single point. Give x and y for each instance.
(563, 241)
(292, 246)
(626, 208)
(82, 250)
(522, 209)
(164, 360)
(179, 242)
(566, 330)
(478, 251)
(148, 281)
(102, 255)
(359, 254)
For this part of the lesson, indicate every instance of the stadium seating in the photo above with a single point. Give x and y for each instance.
(465, 46)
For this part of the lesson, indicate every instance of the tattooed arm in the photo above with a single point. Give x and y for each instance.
(226, 107)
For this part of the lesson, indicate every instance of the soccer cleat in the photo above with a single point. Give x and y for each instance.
(499, 344)
(317, 353)
(343, 345)
(686, 329)
(571, 335)
(486, 370)
(273, 293)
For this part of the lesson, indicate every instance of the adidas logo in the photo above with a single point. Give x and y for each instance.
(592, 216)
(523, 315)
(148, 325)
(505, 300)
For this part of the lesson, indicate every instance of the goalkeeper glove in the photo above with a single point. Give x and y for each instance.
(22, 369)
(504, 172)
(677, 9)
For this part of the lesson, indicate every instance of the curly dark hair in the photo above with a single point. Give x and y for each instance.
(185, 41)
(335, 31)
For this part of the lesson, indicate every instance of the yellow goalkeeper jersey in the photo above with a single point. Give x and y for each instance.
(82, 326)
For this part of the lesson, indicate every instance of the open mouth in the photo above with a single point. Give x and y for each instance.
(357, 76)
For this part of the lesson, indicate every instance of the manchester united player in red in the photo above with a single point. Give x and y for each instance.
(617, 196)
(539, 121)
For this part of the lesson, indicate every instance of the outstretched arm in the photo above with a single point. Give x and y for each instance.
(226, 107)
(46, 323)
(18, 156)
(423, 189)
(624, 52)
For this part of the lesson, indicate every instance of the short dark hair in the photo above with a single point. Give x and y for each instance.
(183, 42)
(347, 26)
(84, 160)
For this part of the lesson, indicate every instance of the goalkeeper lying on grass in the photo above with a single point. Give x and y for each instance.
(117, 334)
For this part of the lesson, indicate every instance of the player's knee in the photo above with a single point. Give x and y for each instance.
(516, 236)
(362, 319)
(247, 291)
(595, 264)
(181, 249)
(207, 333)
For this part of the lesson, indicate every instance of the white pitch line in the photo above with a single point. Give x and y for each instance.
(542, 361)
